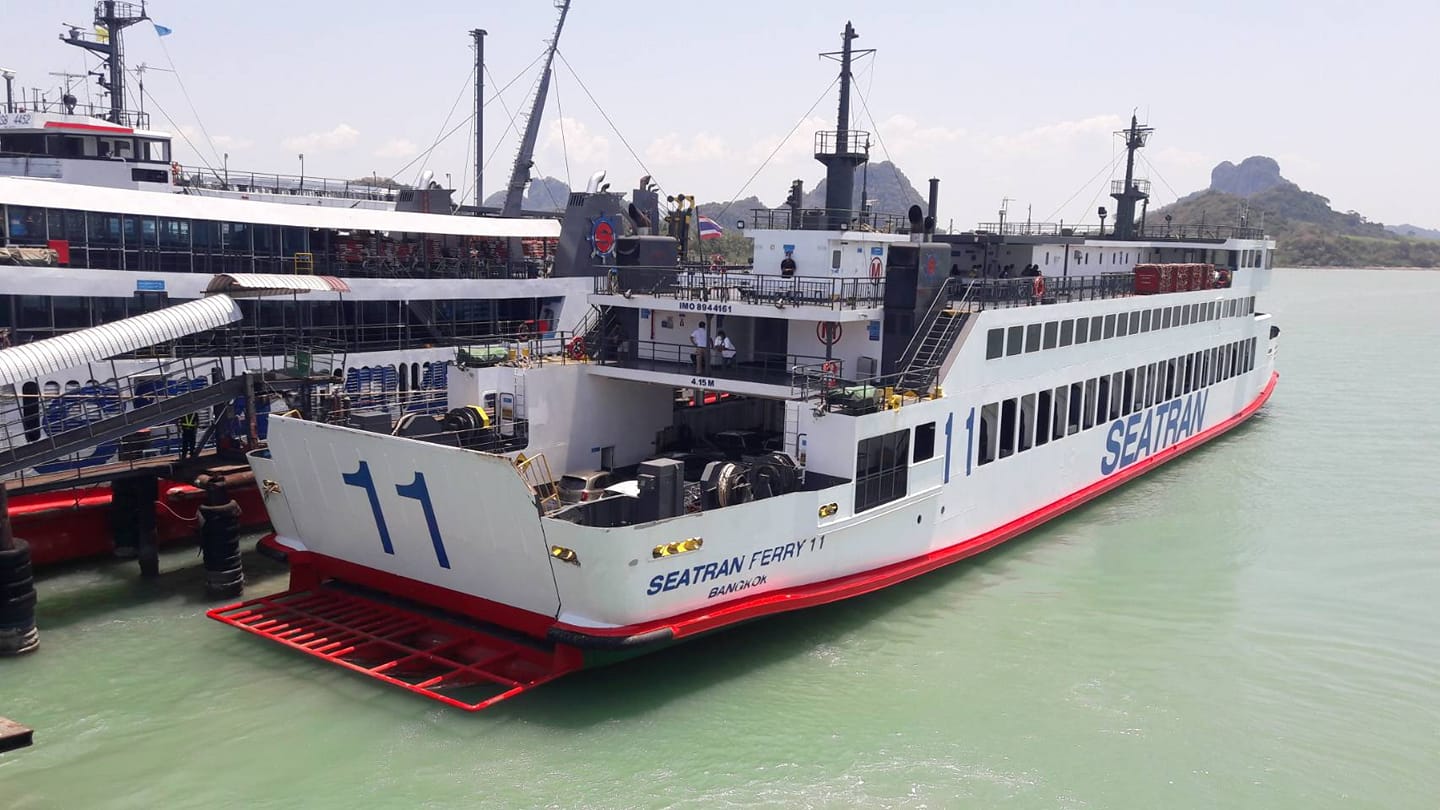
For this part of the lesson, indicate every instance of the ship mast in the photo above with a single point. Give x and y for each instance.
(1131, 192)
(525, 158)
(479, 35)
(113, 16)
(842, 150)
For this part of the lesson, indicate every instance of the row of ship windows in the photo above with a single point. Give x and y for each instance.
(1015, 425)
(882, 464)
(1009, 341)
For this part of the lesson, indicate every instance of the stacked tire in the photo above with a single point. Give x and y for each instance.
(220, 547)
(17, 601)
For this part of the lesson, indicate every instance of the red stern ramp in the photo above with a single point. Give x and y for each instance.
(459, 666)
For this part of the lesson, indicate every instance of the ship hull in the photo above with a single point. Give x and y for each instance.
(603, 644)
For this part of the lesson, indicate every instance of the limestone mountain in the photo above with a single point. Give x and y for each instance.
(889, 190)
(1414, 231)
(543, 194)
(1308, 231)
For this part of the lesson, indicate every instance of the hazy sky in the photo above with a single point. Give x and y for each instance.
(998, 100)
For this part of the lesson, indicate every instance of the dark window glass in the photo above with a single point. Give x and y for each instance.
(1008, 409)
(1032, 338)
(1095, 324)
(1122, 325)
(1134, 322)
(1051, 332)
(994, 343)
(924, 441)
(1082, 330)
(1014, 340)
(1109, 326)
(1042, 417)
(1067, 332)
(71, 312)
(881, 469)
(26, 224)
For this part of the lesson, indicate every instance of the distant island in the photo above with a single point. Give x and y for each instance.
(1308, 232)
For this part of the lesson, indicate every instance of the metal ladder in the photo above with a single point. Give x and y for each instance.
(794, 439)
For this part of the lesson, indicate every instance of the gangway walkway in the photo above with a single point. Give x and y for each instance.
(124, 396)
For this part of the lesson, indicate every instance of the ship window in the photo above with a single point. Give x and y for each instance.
(1095, 323)
(1194, 313)
(27, 225)
(1109, 326)
(1007, 428)
(104, 228)
(1102, 399)
(1042, 417)
(1184, 316)
(1051, 328)
(1154, 319)
(834, 260)
(1067, 332)
(1091, 389)
(1144, 320)
(994, 343)
(1062, 410)
(26, 144)
(1135, 322)
(1127, 395)
(1027, 423)
(1077, 402)
(1082, 330)
(881, 469)
(924, 441)
(1167, 312)
(1013, 340)
(1120, 325)
(1169, 380)
(1141, 379)
(1250, 307)
(988, 416)
(1032, 338)
(1152, 384)
(71, 311)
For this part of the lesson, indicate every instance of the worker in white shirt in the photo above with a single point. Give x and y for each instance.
(726, 348)
(700, 339)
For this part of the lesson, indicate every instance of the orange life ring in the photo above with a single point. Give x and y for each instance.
(576, 349)
(1039, 286)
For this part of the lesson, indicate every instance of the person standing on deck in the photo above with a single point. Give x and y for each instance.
(700, 339)
(189, 424)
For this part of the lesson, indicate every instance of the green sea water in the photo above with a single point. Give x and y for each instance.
(1255, 625)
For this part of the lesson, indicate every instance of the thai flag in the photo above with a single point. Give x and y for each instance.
(710, 229)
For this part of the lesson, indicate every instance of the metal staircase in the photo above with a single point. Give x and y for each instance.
(934, 340)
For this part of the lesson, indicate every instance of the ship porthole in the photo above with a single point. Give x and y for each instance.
(917, 519)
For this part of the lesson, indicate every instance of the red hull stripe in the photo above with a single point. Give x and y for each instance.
(309, 564)
(86, 127)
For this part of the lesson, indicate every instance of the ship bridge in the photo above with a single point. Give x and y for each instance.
(784, 335)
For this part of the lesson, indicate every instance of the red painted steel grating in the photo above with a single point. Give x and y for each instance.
(459, 666)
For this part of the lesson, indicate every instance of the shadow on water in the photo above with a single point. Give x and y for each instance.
(86, 590)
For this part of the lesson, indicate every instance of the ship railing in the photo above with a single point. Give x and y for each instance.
(1153, 231)
(51, 434)
(46, 106)
(249, 182)
(1000, 293)
(748, 365)
(741, 286)
(826, 219)
(217, 261)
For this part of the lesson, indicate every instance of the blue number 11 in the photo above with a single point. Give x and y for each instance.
(415, 489)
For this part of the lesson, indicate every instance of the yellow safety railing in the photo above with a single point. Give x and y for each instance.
(305, 263)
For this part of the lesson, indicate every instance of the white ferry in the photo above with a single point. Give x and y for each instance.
(890, 407)
(99, 222)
